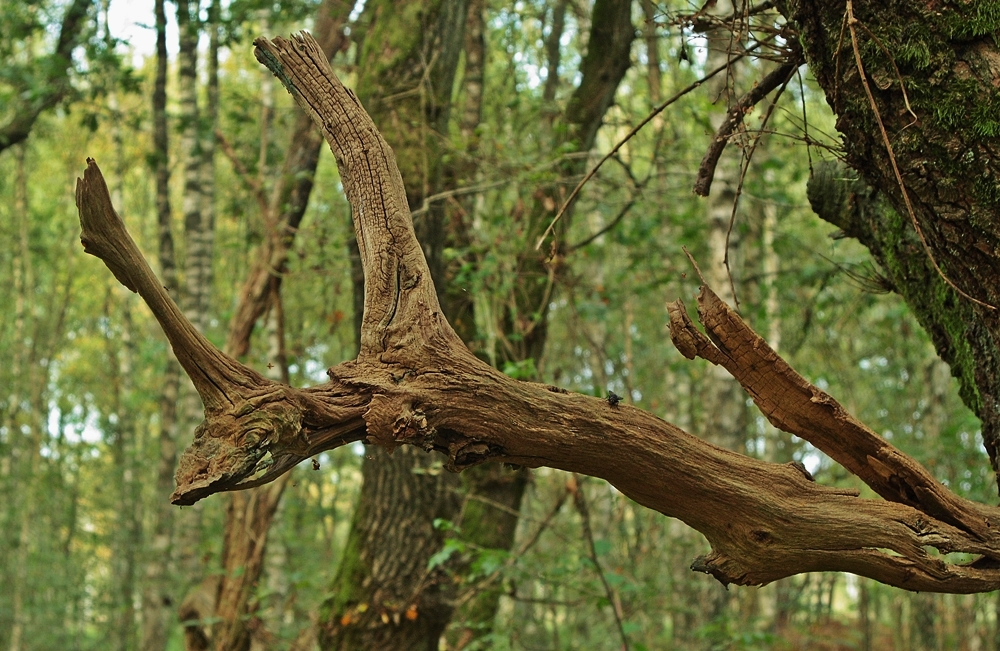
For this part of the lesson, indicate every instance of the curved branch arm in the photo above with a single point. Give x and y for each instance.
(104, 236)
(416, 383)
(398, 287)
(798, 407)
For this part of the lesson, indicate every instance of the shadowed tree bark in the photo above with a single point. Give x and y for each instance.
(383, 595)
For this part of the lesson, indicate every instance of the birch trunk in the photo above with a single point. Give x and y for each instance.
(158, 594)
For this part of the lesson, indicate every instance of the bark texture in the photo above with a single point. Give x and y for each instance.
(933, 74)
(383, 596)
(414, 382)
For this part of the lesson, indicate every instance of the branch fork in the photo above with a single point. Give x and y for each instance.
(414, 382)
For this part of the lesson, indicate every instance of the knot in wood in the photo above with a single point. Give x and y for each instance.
(393, 420)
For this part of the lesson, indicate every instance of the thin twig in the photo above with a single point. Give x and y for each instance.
(472, 189)
(734, 118)
(521, 551)
(243, 173)
(694, 264)
(659, 109)
(616, 607)
(743, 174)
(899, 77)
(805, 120)
(614, 222)
(472, 497)
(851, 21)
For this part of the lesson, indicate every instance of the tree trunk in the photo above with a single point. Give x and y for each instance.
(158, 600)
(944, 136)
(553, 50)
(128, 538)
(197, 221)
(189, 521)
(289, 198)
(27, 452)
(228, 599)
(384, 597)
(723, 399)
(525, 321)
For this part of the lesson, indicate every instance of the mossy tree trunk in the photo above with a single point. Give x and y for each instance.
(944, 134)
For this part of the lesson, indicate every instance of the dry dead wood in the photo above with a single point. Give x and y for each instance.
(414, 382)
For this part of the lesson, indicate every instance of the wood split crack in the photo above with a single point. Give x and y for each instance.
(765, 521)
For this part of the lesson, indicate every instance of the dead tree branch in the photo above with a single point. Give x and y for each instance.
(734, 118)
(414, 382)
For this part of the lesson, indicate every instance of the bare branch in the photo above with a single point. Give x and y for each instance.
(734, 118)
(415, 383)
(795, 406)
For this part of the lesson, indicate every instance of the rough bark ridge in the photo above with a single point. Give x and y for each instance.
(407, 67)
(933, 71)
(414, 382)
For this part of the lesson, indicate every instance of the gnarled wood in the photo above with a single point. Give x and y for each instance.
(415, 383)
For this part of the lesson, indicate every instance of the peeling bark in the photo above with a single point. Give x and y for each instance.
(414, 382)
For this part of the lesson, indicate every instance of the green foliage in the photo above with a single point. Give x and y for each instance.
(522, 370)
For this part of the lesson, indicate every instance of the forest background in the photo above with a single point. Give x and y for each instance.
(209, 165)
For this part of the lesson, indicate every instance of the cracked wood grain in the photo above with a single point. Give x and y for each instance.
(415, 383)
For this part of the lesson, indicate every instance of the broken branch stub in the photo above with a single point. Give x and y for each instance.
(416, 383)
(794, 405)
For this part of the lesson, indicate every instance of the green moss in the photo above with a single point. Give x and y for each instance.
(350, 576)
(977, 19)
(391, 41)
(924, 52)
(278, 70)
(938, 308)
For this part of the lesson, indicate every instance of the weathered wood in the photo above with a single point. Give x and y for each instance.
(415, 383)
